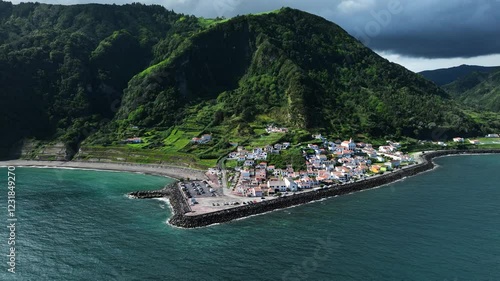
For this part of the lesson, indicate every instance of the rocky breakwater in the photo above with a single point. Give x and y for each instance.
(179, 204)
(149, 194)
(176, 198)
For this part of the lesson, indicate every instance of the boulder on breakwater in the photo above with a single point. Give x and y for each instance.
(148, 194)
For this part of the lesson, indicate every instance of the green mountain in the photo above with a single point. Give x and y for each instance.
(63, 68)
(89, 76)
(448, 75)
(292, 67)
(478, 89)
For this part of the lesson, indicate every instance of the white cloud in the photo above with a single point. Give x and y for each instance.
(352, 6)
(421, 64)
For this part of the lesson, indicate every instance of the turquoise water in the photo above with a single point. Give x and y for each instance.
(78, 225)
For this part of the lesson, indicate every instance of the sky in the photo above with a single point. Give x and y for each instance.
(418, 34)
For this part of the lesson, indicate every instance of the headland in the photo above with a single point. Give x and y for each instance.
(183, 216)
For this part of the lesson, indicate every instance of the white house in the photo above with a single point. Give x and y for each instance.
(349, 144)
(318, 137)
(372, 153)
(396, 163)
(261, 165)
(323, 175)
(278, 172)
(307, 182)
(261, 156)
(385, 148)
(337, 175)
(458, 139)
(206, 138)
(394, 144)
(133, 140)
(256, 192)
(313, 146)
(249, 163)
(274, 129)
(331, 146)
(245, 174)
(250, 156)
(276, 184)
(312, 172)
(361, 144)
(321, 158)
(315, 162)
(203, 139)
(291, 184)
(492, 136)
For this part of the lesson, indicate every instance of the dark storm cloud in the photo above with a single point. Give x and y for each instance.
(416, 28)
(444, 30)
(423, 28)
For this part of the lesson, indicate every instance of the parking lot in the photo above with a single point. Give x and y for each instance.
(198, 189)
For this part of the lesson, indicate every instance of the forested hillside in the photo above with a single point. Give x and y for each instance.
(293, 67)
(93, 75)
(63, 68)
(480, 90)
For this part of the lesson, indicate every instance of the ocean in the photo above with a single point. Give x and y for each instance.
(79, 225)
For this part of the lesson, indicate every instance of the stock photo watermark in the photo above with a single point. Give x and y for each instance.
(379, 20)
(12, 219)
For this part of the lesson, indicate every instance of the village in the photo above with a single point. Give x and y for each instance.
(251, 176)
(327, 163)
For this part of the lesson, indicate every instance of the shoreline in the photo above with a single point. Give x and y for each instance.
(180, 219)
(181, 216)
(148, 169)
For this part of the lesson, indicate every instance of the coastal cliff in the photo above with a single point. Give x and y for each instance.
(180, 206)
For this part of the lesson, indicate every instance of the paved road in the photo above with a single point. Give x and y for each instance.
(224, 175)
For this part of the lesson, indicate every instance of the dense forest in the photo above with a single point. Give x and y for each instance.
(63, 68)
(94, 74)
(296, 68)
(480, 90)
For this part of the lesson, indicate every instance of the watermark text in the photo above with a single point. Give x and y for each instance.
(11, 218)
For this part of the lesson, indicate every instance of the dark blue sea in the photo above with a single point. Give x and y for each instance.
(79, 225)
